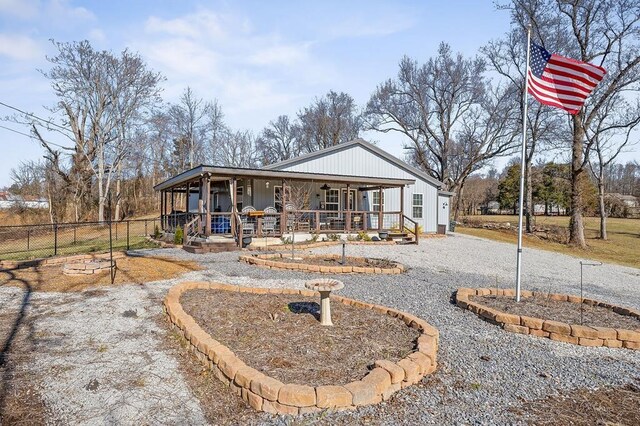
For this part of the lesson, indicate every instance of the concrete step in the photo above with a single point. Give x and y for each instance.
(199, 247)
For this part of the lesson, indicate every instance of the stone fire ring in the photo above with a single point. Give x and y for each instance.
(272, 261)
(87, 267)
(265, 393)
(554, 330)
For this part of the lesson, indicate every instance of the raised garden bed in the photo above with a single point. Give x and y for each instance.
(283, 361)
(325, 263)
(559, 317)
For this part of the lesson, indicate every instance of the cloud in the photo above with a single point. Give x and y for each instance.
(251, 73)
(385, 24)
(19, 47)
(22, 9)
(61, 9)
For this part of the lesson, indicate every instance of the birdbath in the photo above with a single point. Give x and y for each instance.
(325, 287)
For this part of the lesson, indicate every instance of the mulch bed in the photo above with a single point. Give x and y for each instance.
(281, 336)
(606, 406)
(567, 312)
(363, 262)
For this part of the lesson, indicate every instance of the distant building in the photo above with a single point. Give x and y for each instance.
(630, 204)
(8, 200)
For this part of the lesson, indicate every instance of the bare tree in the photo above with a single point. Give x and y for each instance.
(454, 121)
(189, 118)
(237, 149)
(507, 57)
(606, 33)
(609, 136)
(329, 121)
(279, 141)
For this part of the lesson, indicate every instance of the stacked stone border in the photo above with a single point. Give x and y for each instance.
(86, 267)
(58, 260)
(271, 261)
(554, 330)
(265, 393)
(310, 245)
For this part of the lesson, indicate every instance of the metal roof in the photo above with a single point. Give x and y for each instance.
(222, 173)
(366, 145)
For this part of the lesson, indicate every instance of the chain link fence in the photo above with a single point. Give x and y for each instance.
(21, 242)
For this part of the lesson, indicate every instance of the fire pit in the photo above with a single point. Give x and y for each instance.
(86, 268)
(325, 287)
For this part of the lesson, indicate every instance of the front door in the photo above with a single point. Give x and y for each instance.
(352, 203)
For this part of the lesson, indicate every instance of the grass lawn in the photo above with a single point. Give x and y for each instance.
(622, 247)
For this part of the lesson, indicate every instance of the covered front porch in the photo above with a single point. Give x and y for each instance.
(231, 202)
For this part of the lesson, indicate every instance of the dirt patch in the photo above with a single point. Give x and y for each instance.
(136, 270)
(567, 312)
(606, 406)
(281, 336)
(362, 262)
(20, 401)
(220, 406)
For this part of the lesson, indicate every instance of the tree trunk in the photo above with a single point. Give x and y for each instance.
(528, 201)
(456, 211)
(118, 192)
(576, 224)
(603, 212)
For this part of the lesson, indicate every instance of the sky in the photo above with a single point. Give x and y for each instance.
(258, 59)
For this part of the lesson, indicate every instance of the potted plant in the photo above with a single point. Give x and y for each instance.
(383, 234)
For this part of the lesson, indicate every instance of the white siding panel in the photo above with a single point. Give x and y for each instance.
(358, 161)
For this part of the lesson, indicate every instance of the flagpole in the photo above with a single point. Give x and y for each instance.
(522, 163)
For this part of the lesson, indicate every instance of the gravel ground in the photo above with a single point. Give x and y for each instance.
(84, 336)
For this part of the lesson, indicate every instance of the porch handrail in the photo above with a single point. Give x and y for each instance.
(191, 230)
(414, 231)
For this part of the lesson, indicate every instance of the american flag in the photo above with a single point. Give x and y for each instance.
(561, 82)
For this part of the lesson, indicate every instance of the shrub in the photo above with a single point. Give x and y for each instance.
(333, 237)
(364, 236)
(178, 236)
(156, 232)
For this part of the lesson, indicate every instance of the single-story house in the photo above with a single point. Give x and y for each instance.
(351, 187)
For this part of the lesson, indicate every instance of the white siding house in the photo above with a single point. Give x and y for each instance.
(424, 201)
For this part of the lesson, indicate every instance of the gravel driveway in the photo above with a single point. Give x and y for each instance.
(99, 359)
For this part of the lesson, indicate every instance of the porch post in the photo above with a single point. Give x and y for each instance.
(401, 209)
(207, 190)
(187, 197)
(172, 212)
(200, 205)
(283, 200)
(162, 208)
(348, 218)
(380, 216)
(234, 206)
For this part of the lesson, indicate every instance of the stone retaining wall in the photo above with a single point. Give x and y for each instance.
(58, 260)
(554, 330)
(304, 246)
(265, 393)
(271, 261)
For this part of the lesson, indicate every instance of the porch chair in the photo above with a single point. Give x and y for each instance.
(248, 227)
(270, 220)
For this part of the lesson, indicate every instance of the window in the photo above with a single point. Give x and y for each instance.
(240, 200)
(277, 197)
(332, 199)
(417, 206)
(375, 201)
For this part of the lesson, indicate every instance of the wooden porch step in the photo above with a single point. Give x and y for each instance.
(199, 247)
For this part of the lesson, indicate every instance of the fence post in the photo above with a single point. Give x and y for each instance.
(128, 235)
(55, 239)
(28, 238)
(145, 228)
(116, 231)
(74, 234)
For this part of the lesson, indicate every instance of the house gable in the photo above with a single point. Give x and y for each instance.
(356, 157)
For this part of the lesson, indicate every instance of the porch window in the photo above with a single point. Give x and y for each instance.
(375, 201)
(240, 200)
(277, 197)
(332, 199)
(417, 206)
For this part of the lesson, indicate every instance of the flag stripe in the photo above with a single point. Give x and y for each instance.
(595, 71)
(559, 81)
(561, 89)
(574, 75)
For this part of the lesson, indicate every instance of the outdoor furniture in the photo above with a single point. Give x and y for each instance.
(248, 226)
(324, 286)
(269, 220)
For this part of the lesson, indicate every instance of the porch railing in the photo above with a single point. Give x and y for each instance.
(276, 224)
